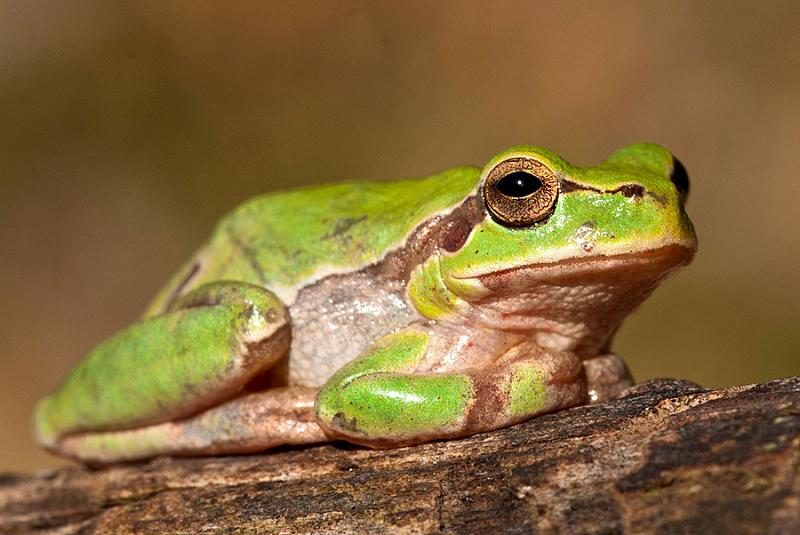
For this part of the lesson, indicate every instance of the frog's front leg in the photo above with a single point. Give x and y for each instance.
(380, 401)
(607, 376)
(139, 393)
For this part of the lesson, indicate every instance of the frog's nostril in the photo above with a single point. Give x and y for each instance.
(680, 178)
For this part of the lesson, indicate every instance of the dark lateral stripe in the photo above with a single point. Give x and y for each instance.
(568, 186)
(443, 231)
(629, 190)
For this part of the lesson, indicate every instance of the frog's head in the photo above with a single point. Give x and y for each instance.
(569, 251)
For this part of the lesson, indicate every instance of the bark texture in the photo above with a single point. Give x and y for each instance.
(668, 457)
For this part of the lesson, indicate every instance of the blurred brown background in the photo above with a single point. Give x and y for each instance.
(126, 130)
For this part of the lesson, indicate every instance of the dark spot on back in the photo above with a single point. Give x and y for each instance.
(342, 225)
(182, 285)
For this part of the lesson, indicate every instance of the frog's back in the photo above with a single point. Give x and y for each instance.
(286, 239)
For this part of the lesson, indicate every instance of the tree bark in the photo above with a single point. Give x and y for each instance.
(668, 457)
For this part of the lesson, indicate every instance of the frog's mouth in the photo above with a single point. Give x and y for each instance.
(647, 265)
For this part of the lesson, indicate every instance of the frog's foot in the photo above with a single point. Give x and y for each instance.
(379, 401)
(250, 423)
(606, 376)
(198, 354)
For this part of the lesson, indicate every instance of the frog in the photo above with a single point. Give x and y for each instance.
(387, 313)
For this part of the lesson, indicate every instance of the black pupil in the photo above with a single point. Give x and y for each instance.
(519, 184)
(680, 177)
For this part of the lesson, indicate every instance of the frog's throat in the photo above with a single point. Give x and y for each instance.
(569, 305)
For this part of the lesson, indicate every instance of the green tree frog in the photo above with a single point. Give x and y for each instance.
(387, 313)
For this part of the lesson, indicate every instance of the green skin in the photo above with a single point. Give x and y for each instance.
(491, 324)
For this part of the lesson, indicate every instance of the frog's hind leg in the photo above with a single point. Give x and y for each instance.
(201, 352)
(249, 423)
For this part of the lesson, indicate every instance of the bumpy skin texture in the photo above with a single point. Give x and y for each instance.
(385, 314)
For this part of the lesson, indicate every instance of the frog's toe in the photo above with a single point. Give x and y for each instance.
(607, 376)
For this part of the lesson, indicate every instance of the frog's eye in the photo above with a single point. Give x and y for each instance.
(520, 192)
(680, 178)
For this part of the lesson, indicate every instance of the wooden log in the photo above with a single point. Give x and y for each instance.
(668, 457)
